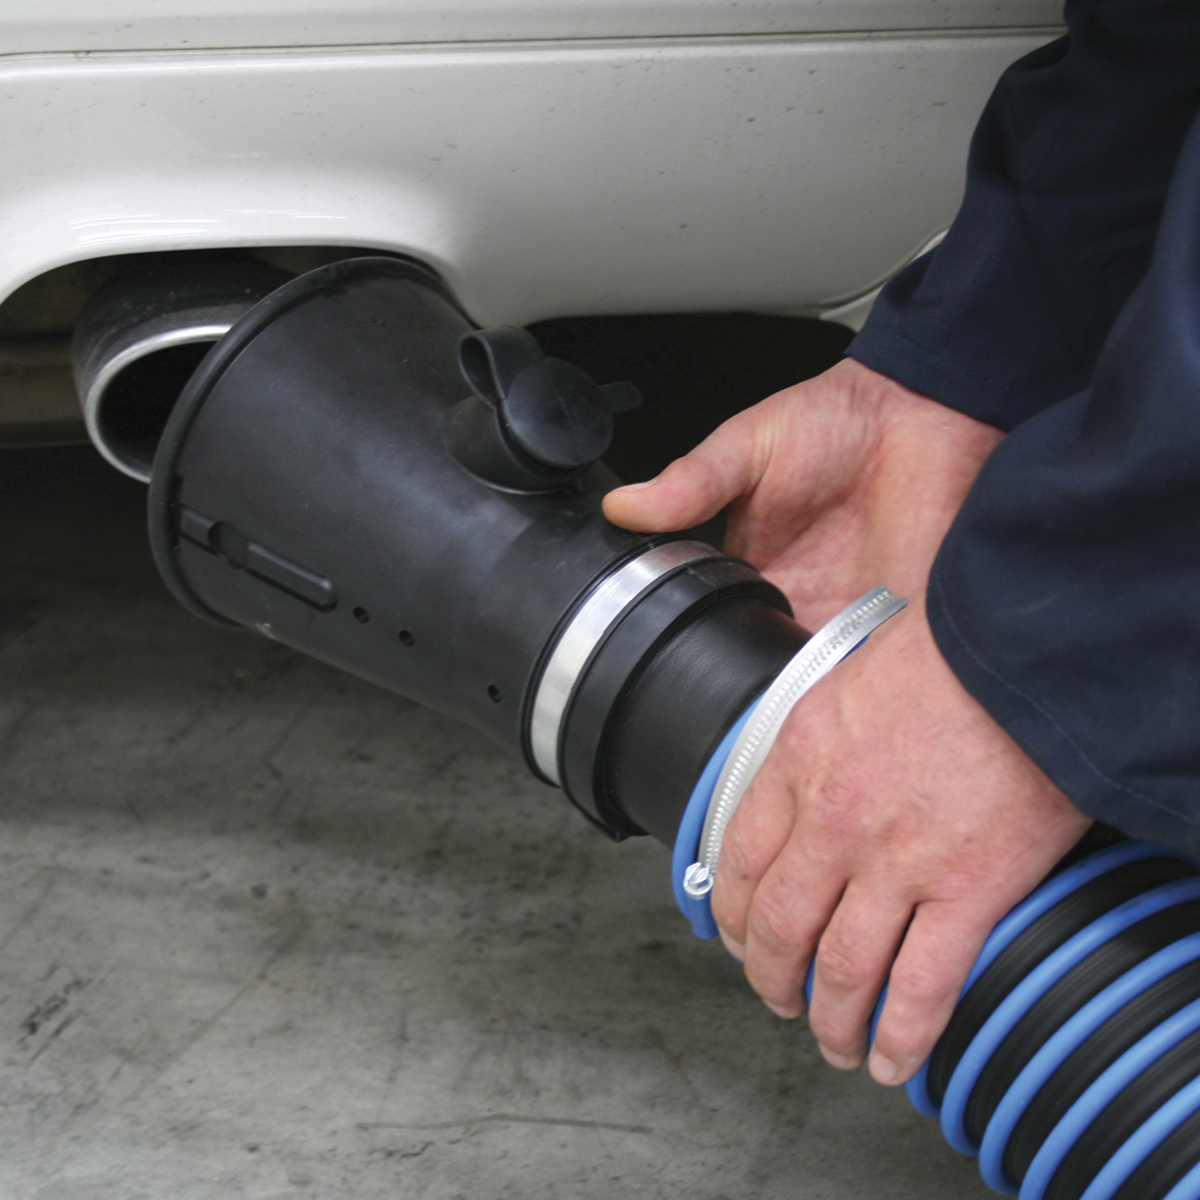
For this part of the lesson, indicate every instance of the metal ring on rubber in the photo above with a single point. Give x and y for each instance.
(598, 613)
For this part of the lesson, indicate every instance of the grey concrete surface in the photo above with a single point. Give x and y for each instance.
(269, 932)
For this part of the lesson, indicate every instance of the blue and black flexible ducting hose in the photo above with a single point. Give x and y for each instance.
(1071, 1065)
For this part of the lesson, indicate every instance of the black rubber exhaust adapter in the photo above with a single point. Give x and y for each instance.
(357, 472)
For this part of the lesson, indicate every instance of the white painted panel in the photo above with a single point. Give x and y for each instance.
(756, 173)
(54, 25)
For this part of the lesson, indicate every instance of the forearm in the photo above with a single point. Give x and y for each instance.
(1066, 594)
(1066, 181)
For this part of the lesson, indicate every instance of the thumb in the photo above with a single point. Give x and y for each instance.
(690, 491)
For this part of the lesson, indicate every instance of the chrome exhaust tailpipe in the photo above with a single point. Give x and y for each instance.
(142, 336)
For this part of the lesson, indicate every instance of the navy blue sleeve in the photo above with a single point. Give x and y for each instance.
(1066, 179)
(1066, 596)
(1064, 307)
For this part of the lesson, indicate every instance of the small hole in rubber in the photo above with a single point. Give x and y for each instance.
(361, 616)
(407, 638)
(493, 693)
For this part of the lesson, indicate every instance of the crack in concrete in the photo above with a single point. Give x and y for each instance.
(507, 1118)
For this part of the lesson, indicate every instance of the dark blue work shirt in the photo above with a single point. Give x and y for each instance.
(1064, 307)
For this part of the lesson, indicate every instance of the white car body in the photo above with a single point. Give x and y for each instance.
(547, 159)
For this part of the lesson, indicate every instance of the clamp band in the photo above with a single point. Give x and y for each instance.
(585, 631)
(819, 655)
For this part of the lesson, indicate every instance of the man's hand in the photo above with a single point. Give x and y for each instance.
(894, 820)
(833, 486)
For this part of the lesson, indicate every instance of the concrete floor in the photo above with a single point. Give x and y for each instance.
(270, 932)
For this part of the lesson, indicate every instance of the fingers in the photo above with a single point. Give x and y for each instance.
(693, 488)
(853, 958)
(758, 832)
(772, 899)
(791, 907)
(855, 931)
(924, 985)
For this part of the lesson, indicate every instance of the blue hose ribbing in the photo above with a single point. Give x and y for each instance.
(1141, 1144)
(1101, 1093)
(1031, 989)
(1055, 1052)
(1121, 1076)
(1188, 1188)
(1019, 919)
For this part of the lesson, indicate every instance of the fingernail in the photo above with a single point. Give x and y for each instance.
(843, 1062)
(786, 1013)
(883, 1070)
(638, 487)
(734, 947)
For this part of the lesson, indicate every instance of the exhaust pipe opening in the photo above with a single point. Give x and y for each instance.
(142, 336)
(133, 400)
